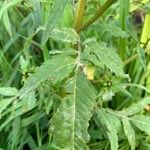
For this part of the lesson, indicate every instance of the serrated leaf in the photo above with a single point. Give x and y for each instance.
(70, 123)
(55, 69)
(54, 19)
(112, 124)
(112, 30)
(67, 35)
(137, 107)
(129, 132)
(8, 91)
(107, 56)
(142, 122)
(87, 55)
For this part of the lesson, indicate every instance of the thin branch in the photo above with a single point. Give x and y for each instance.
(102, 10)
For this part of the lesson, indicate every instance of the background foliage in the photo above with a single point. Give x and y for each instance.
(74, 75)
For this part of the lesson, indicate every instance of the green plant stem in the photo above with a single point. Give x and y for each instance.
(38, 135)
(132, 58)
(79, 14)
(97, 15)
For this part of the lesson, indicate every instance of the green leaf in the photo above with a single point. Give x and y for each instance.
(67, 35)
(111, 123)
(23, 65)
(14, 134)
(6, 5)
(124, 12)
(32, 118)
(87, 55)
(8, 91)
(29, 101)
(68, 16)
(70, 123)
(107, 56)
(18, 108)
(55, 69)
(141, 55)
(4, 103)
(7, 23)
(31, 142)
(112, 30)
(142, 122)
(54, 19)
(129, 132)
(48, 104)
(99, 145)
(136, 107)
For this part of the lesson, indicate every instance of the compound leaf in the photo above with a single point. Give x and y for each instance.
(55, 69)
(107, 56)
